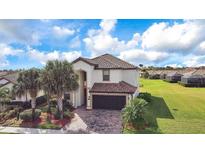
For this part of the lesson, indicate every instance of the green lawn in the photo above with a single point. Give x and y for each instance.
(174, 108)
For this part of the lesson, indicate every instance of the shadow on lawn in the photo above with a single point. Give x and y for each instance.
(157, 108)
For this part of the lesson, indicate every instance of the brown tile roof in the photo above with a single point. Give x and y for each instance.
(107, 61)
(121, 87)
(3, 73)
(12, 77)
(200, 71)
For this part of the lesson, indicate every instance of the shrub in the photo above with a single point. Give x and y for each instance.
(41, 100)
(57, 114)
(8, 108)
(145, 75)
(154, 76)
(49, 126)
(26, 104)
(146, 96)
(133, 113)
(2, 115)
(53, 103)
(68, 114)
(27, 115)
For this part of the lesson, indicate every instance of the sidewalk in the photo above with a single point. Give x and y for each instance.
(76, 126)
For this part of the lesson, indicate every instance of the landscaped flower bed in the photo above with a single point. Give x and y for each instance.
(43, 120)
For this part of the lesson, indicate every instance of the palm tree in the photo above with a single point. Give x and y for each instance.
(19, 89)
(28, 82)
(61, 79)
(47, 85)
(32, 84)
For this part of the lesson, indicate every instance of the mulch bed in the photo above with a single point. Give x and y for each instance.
(34, 124)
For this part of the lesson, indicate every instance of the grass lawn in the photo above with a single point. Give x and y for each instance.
(174, 108)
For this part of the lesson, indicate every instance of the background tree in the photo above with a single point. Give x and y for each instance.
(141, 65)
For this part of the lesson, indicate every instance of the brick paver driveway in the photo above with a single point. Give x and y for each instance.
(101, 121)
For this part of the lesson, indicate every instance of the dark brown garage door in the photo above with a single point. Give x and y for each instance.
(109, 102)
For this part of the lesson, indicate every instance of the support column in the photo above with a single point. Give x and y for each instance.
(89, 100)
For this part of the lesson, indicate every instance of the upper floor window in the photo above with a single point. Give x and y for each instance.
(106, 75)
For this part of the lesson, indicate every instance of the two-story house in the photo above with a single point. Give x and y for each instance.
(105, 82)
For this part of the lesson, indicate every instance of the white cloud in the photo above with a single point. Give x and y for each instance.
(179, 37)
(17, 31)
(194, 61)
(108, 25)
(75, 42)
(138, 56)
(200, 49)
(70, 56)
(62, 31)
(43, 57)
(5, 51)
(101, 41)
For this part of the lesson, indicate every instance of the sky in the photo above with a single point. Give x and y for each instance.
(31, 43)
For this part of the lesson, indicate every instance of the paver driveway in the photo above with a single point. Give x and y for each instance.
(101, 121)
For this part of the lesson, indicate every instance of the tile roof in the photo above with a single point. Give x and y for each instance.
(12, 77)
(107, 61)
(121, 87)
(199, 72)
(3, 73)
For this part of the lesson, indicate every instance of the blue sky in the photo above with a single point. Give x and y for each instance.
(30, 43)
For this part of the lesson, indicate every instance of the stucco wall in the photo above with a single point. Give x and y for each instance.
(95, 75)
(23, 98)
(115, 76)
(131, 77)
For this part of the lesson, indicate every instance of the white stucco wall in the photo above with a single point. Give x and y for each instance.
(131, 77)
(115, 76)
(95, 75)
(77, 98)
(23, 98)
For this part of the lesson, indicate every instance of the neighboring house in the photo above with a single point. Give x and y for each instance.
(195, 78)
(155, 74)
(105, 82)
(174, 76)
(8, 80)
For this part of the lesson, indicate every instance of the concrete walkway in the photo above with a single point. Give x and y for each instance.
(75, 127)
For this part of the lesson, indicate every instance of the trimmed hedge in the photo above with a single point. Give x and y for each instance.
(191, 84)
(41, 100)
(27, 115)
(146, 96)
(66, 114)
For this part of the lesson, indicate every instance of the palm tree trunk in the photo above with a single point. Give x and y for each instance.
(26, 96)
(49, 105)
(60, 105)
(33, 105)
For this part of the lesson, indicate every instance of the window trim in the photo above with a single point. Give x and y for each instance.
(104, 76)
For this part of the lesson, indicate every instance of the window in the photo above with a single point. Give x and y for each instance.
(106, 75)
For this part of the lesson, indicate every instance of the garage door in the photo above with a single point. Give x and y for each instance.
(108, 102)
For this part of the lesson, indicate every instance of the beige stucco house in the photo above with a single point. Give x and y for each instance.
(105, 82)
